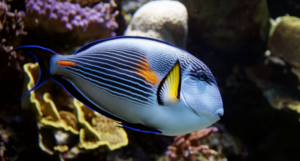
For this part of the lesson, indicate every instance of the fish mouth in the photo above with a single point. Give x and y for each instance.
(188, 106)
(219, 112)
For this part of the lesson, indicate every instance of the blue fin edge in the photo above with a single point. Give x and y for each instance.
(39, 53)
(70, 88)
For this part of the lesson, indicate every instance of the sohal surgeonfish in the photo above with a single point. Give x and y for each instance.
(144, 84)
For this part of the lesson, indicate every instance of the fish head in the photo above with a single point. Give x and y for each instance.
(200, 94)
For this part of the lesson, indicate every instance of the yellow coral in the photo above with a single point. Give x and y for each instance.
(99, 131)
(295, 106)
(53, 113)
(45, 107)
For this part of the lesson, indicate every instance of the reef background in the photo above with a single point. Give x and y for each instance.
(254, 59)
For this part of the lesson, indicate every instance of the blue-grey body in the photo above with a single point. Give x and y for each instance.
(122, 78)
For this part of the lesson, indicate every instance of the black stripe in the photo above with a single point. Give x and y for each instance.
(128, 91)
(143, 87)
(132, 78)
(109, 60)
(114, 54)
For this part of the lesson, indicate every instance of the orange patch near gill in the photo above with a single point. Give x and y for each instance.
(146, 72)
(66, 63)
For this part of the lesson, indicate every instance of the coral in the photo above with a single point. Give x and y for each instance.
(228, 25)
(89, 3)
(283, 51)
(11, 27)
(61, 119)
(284, 40)
(98, 130)
(130, 6)
(188, 146)
(65, 17)
(196, 146)
(164, 20)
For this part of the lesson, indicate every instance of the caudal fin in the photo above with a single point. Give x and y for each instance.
(43, 57)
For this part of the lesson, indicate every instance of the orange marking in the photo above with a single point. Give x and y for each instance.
(146, 72)
(66, 63)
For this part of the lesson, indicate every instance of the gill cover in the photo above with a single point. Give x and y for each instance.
(201, 97)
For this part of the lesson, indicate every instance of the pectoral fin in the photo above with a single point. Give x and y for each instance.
(168, 91)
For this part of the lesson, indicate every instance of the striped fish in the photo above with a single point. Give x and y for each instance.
(144, 84)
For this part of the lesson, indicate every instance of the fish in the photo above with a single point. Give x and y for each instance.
(144, 84)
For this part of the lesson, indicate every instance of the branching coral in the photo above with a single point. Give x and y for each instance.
(62, 119)
(11, 26)
(196, 146)
(189, 147)
(65, 17)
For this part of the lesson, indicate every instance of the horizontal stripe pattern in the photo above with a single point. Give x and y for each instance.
(114, 72)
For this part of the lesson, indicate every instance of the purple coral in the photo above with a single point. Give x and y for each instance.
(62, 17)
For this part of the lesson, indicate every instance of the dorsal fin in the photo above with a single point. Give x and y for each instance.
(85, 47)
(168, 91)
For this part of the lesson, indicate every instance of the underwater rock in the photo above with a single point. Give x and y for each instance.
(284, 41)
(228, 25)
(130, 6)
(164, 20)
(64, 122)
(65, 17)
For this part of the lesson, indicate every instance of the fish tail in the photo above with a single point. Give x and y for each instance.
(43, 57)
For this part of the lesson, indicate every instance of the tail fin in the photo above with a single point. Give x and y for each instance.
(43, 57)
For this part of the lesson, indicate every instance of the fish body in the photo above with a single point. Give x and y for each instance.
(144, 84)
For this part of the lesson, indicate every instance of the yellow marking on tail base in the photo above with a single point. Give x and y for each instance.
(146, 72)
(66, 63)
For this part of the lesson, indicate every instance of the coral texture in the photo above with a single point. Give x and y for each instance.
(61, 119)
(228, 25)
(189, 147)
(196, 146)
(164, 20)
(284, 40)
(63, 17)
(11, 27)
(282, 59)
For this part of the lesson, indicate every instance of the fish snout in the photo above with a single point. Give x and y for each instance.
(219, 112)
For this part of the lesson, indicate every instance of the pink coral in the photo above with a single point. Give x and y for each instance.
(186, 146)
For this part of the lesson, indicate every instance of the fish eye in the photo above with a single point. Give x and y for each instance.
(202, 76)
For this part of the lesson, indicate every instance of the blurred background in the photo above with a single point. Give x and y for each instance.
(251, 46)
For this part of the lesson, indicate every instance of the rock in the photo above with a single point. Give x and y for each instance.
(228, 25)
(164, 20)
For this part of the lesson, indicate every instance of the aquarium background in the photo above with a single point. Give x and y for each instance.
(251, 47)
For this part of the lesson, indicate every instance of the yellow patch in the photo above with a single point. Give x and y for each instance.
(168, 91)
(146, 72)
(173, 82)
(66, 63)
